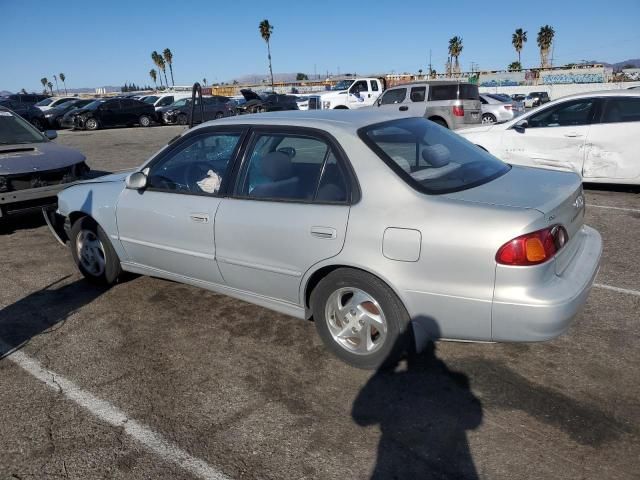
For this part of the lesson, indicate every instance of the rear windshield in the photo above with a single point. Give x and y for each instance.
(430, 158)
(462, 91)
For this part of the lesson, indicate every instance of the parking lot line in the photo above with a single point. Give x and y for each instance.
(617, 289)
(624, 209)
(110, 414)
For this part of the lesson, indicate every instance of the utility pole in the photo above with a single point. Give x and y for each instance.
(430, 70)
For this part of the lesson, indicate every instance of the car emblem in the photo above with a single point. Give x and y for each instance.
(579, 201)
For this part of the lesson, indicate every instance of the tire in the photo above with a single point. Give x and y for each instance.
(440, 122)
(89, 243)
(488, 118)
(36, 122)
(91, 124)
(219, 115)
(182, 119)
(374, 304)
(144, 121)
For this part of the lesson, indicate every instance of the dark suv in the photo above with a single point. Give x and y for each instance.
(111, 112)
(23, 105)
(535, 99)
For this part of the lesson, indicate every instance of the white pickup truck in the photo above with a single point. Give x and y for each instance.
(352, 93)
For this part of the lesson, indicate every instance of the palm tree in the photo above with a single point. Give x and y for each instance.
(168, 57)
(163, 67)
(44, 82)
(518, 39)
(62, 79)
(204, 82)
(420, 73)
(266, 29)
(55, 78)
(154, 77)
(545, 39)
(455, 49)
(156, 60)
(514, 67)
(50, 85)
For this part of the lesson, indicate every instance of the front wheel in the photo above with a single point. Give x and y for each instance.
(360, 319)
(91, 124)
(93, 253)
(219, 115)
(36, 122)
(182, 119)
(144, 121)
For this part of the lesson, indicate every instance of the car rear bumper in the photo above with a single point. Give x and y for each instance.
(546, 311)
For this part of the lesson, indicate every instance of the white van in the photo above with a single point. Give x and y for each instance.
(165, 99)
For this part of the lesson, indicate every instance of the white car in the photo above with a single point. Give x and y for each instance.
(52, 102)
(596, 135)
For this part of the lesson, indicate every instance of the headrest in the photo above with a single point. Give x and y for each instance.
(436, 155)
(276, 166)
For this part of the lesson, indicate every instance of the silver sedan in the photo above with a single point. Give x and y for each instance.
(496, 109)
(381, 229)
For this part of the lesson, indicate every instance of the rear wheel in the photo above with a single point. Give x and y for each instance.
(144, 121)
(440, 122)
(219, 115)
(488, 118)
(360, 319)
(36, 122)
(93, 253)
(91, 124)
(182, 119)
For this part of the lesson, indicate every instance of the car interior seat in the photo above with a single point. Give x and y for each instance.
(276, 167)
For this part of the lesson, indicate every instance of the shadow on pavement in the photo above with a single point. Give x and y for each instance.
(424, 410)
(10, 225)
(43, 311)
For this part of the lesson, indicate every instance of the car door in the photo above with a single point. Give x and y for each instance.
(288, 212)
(169, 226)
(110, 113)
(554, 136)
(393, 100)
(358, 95)
(614, 141)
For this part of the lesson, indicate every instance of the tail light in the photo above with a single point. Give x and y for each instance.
(533, 248)
(458, 111)
(508, 107)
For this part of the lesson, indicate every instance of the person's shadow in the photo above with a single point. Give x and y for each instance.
(424, 410)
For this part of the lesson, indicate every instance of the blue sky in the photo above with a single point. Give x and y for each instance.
(109, 42)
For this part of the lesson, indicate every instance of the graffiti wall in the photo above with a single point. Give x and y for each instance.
(504, 79)
(576, 75)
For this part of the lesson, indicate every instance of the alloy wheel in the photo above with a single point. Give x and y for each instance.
(90, 252)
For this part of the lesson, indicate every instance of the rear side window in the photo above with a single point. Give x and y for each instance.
(462, 91)
(430, 158)
(292, 167)
(622, 109)
(374, 86)
(417, 94)
(394, 96)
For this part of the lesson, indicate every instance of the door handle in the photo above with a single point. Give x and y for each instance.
(572, 134)
(403, 108)
(328, 233)
(199, 217)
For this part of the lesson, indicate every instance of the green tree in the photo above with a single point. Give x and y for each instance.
(155, 56)
(518, 39)
(168, 57)
(266, 29)
(154, 76)
(545, 39)
(23, 91)
(204, 82)
(455, 49)
(63, 77)
(302, 76)
(514, 67)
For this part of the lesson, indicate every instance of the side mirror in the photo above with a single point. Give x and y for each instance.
(521, 126)
(136, 181)
(379, 101)
(51, 134)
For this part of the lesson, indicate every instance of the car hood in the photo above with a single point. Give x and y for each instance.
(524, 187)
(111, 178)
(249, 95)
(478, 129)
(80, 111)
(33, 157)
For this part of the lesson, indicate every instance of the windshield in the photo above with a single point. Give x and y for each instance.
(66, 104)
(44, 103)
(151, 99)
(430, 158)
(182, 102)
(93, 105)
(13, 130)
(342, 85)
(500, 98)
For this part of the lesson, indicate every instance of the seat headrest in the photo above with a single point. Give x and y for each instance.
(276, 166)
(436, 155)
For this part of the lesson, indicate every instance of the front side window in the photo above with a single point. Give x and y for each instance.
(622, 109)
(292, 167)
(567, 114)
(429, 158)
(393, 96)
(164, 101)
(199, 166)
(360, 86)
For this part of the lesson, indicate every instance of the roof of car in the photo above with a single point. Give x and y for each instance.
(345, 120)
